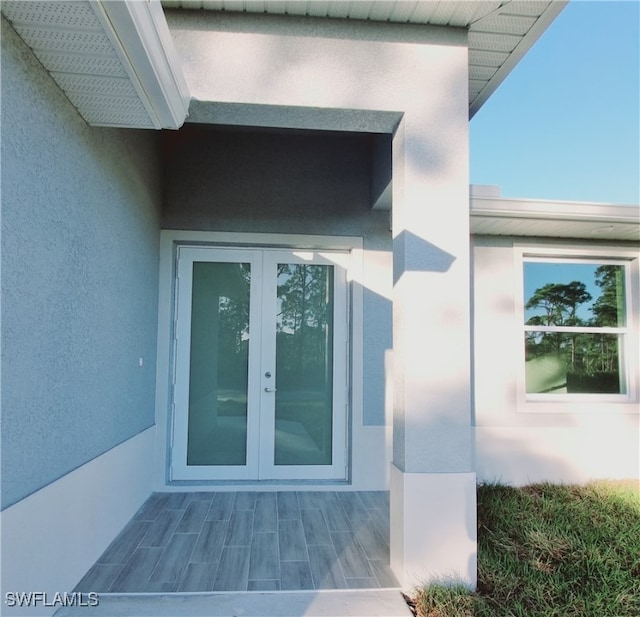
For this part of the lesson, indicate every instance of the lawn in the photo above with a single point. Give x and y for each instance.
(549, 550)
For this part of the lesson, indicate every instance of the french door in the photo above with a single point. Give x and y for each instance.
(260, 365)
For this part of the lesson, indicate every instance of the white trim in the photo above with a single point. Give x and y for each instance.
(581, 403)
(433, 544)
(553, 210)
(169, 241)
(250, 239)
(140, 35)
(577, 251)
(495, 215)
(51, 538)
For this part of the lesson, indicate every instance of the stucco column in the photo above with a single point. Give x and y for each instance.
(433, 517)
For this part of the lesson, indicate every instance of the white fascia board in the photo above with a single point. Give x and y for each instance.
(525, 44)
(140, 34)
(500, 207)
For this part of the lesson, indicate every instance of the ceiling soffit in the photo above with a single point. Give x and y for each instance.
(114, 60)
(501, 216)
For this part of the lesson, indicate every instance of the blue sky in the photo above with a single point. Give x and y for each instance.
(565, 124)
(538, 274)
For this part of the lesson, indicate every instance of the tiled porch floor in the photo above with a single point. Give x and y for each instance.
(249, 541)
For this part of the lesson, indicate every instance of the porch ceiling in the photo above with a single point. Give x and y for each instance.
(116, 63)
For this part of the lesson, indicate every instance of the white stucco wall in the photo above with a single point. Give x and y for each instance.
(318, 64)
(51, 538)
(518, 442)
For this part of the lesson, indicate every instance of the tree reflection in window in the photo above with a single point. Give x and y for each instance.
(574, 327)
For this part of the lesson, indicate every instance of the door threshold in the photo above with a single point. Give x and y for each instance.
(258, 485)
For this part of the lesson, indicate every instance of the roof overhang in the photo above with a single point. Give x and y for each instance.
(494, 215)
(116, 62)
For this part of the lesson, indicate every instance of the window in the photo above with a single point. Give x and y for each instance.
(576, 327)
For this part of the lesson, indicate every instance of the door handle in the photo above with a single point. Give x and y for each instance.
(270, 389)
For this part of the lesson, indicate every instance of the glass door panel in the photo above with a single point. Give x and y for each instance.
(216, 393)
(304, 379)
(219, 362)
(304, 365)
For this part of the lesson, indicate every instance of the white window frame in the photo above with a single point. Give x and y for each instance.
(593, 402)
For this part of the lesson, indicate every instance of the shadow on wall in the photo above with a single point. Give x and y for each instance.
(501, 456)
(431, 257)
(235, 179)
(591, 448)
(298, 69)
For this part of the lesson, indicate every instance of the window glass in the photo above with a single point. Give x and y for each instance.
(562, 363)
(570, 294)
(574, 320)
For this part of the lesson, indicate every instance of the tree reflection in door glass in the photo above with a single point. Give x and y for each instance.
(219, 364)
(304, 365)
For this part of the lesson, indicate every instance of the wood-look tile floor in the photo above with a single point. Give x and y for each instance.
(249, 541)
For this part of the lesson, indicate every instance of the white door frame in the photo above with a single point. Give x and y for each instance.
(186, 256)
(260, 463)
(170, 240)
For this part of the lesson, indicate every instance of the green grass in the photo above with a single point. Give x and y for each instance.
(550, 550)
